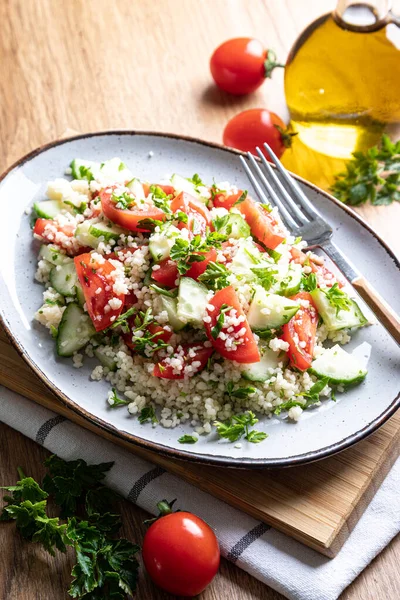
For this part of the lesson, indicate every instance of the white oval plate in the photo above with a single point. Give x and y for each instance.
(320, 432)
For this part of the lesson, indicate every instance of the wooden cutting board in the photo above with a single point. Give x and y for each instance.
(317, 504)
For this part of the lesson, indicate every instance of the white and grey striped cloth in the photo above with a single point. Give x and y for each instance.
(292, 569)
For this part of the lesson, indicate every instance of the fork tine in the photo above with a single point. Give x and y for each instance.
(290, 202)
(288, 218)
(291, 182)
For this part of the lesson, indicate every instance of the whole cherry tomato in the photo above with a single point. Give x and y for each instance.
(180, 552)
(253, 127)
(239, 66)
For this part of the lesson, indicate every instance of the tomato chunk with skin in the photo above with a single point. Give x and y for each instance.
(160, 334)
(325, 277)
(238, 345)
(193, 359)
(128, 218)
(94, 276)
(301, 329)
(199, 217)
(48, 235)
(263, 225)
(167, 274)
(223, 200)
(198, 268)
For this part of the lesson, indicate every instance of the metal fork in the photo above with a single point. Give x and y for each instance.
(302, 219)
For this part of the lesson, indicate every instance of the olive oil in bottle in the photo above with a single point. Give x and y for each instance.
(342, 79)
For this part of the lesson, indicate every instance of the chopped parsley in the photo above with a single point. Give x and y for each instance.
(238, 426)
(147, 414)
(188, 439)
(164, 291)
(149, 224)
(216, 330)
(265, 276)
(242, 393)
(161, 199)
(241, 198)
(309, 398)
(85, 173)
(215, 276)
(114, 400)
(197, 181)
(123, 201)
(186, 252)
(338, 299)
(309, 282)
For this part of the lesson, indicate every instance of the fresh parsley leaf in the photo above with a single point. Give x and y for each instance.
(181, 217)
(160, 199)
(188, 439)
(241, 199)
(124, 200)
(372, 176)
(309, 282)
(238, 426)
(223, 223)
(149, 224)
(215, 276)
(164, 291)
(85, 173)
(186, 252)
(145, 342)
(242, 393)
(196, 180)
(114, 400)
(147, 414)
(216, 330)
(122, 320)
(265, 276)
(338, 299)
(309, 398)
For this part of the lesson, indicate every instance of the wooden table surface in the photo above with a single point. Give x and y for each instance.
(96, 64)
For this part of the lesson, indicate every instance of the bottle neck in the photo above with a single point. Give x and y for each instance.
(363, 16)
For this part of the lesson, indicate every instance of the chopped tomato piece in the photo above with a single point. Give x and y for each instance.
(130, 300)
(167, 274)
(198, 268)
(190, 355)
(238, 344)
(97, 285)
(199, 217)
(325, 277)
(49, 235)
(161, 334)
(222, 200)
(128, 218)
(263, 225)
(301, 329)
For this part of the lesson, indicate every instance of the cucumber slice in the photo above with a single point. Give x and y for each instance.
(83, 235)
(84, 169)
(63, 279)
(48, 209)
(232, 225)
(106, 360)
(136, 188)
(171, 306)
(53, 255)
(181, 184)
(246, 258)
(340, 366)
(74, 331)
(260, 371)
(192, 301)
(343, 319)
(160, 243)
(278, 308)
(80, 296)
(289, 283)
(106, 231)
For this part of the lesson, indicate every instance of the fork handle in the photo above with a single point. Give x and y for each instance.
(384, 313)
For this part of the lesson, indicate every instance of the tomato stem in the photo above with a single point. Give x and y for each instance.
(165, 508)
(271, 63)
(286, 136)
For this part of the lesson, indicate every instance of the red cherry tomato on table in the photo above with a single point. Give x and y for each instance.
(239, 66)
(181, 554)
(302, 329)
(253, 127)
(245, 347)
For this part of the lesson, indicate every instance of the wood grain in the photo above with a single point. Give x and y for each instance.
(95, 64)
(383, 312)
(317, 504)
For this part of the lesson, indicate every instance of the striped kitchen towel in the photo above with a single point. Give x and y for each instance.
(292, 569)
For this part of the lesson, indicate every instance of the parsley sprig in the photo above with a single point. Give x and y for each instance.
(160, 199)
(215, 276)
(105, 567)
(266, 276)
(309, 398)
(338, 299)
(309, 282)
(187, 252)
(216, 330)
(242, 393)
(371, 176)
(238, 426)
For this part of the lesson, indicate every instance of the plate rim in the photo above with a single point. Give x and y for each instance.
(155, 447)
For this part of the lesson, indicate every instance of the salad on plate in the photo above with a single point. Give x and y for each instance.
(196, 301)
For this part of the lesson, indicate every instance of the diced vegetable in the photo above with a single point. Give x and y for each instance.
(340, 366)
(74, 331)
(270, 311)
